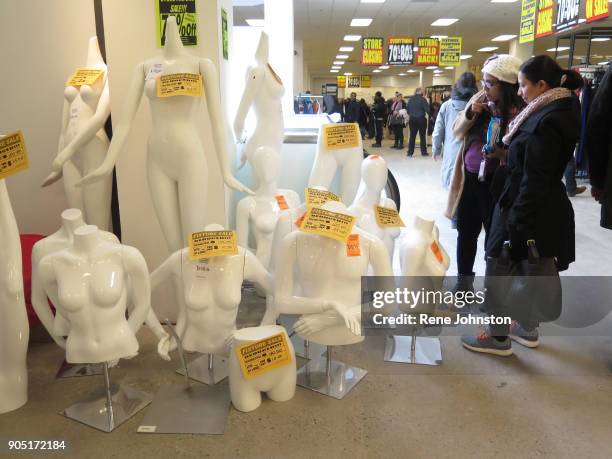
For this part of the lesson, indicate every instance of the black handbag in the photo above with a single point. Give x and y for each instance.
(527, 290)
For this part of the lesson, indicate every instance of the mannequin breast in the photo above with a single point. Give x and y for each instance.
(83, 103)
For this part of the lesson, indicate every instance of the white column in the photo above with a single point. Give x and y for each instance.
(278, 15)
(425, 79)
(462, 68)
(521, 50)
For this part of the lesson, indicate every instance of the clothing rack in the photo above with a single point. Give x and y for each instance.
(573, 36)
(308, 104)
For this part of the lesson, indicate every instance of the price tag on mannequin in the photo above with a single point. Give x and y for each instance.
(343, 135)
(262, 356)
(435, 248)
(208, 244)
(84, 76)
(13, 154)
(316, 198)
(388, 218)
(329, 224)
(179, 84)
(282, 202)
(353, 249)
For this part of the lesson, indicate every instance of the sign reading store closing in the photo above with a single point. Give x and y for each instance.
(372, 51)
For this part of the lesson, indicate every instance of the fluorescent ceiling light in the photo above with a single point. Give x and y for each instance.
(431, 67)
(401, 74)
(338, 62)
(376, 71)
(503, 1)
(581, 21)
(336, 67)
(412, 71)
(352, 37)
(364, 22)
(256, 22)
(333, 71)
(465, 56)
(605, 62)
(383, 67)
(346, 49)
(600, 39)
(443, 22)
(449, 68)
(342, 56)
(439, 36)
(372, 1)
(487, 49)
(560, 48)
(348, 73)
(503, 38)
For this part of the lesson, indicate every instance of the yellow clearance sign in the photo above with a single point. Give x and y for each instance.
(429, 50)
(597, 10)
(544, 24)
(341, 80)
(528, 16)
(372, 51)
(450, 52)
(366, 81)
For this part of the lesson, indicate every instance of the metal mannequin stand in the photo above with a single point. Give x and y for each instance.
(206, 369)
(328, 377)
(69, 370)
(108, 409)
(299, 344)
(421, 350)
(186, 408)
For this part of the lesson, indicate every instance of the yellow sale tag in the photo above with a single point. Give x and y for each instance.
(342, 135)
(353, 249)
(387, 217)
(262, 356)
(84, 76)
(13, 154)
(179, 84)
(329, 224)
(207, 244)
(316, 198)
(435, 248)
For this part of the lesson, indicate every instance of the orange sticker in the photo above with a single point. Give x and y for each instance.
(300, 220)
(437, 252)
(353, 248)
(374, 157)
(282, 203)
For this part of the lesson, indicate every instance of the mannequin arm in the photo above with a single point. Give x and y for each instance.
(217, 122)
(255, 272)
(168, 268)
(379, 258)
(54, 176)
(243, 215)
(253, 81)
(136, 267)
(121, 131)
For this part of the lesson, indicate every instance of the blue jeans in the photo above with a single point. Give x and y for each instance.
(570, 176)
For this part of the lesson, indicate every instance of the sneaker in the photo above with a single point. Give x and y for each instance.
(376, 145)
(486, 344)
(578, 190)
(409, 155)
(424, 154)
(526, 338)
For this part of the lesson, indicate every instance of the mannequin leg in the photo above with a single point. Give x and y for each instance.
(192, 191)
(285, 390)
(351, 177)
(323, 170)
(74, 195)
(97, 196)
(164, 194)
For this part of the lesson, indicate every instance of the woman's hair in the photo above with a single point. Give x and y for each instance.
(508, 104)
(465, 87)
(545, 68)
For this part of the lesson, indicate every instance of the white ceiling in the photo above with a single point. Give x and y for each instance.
(322, 24)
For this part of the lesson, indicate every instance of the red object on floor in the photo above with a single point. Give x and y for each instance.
(27, 243)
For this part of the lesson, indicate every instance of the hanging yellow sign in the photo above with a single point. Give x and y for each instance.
(372, 51)
(333, 225)
(263, 356)
(208, 244)
(366, 81)
(429, 50)
(316, 198)
(450, 51)
(544, 23)
(528, 24)
(341, 80)
(597, 10)
(84, 77)
(13, 154)
(387, 217)
(341, 135)
(179, 84)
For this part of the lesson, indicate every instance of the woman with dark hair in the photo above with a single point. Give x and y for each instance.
(364, 117)
(533, 204)
(480, 127)
(445, 144)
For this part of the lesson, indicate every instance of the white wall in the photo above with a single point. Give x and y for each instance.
(298, 67)
(36, 62)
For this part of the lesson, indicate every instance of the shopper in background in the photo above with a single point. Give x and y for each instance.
(434, 109)
(533, 204)
(364, 117)
(352, 109)
(599, 148)
(482, 124)
(445, 143)
(417, 109)
(396, 121)
(379, 113)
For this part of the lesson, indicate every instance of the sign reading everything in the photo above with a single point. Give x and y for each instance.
(450, 52)
(208, 244)
(400, 51)
(341, 135)
(429, 49)
(262, 356)
(179, 84)
(528, 16)
(84, 77)
(544, 25)
(568, 14)
(333, 225)
(13, 154)
(372, 51)
(186, 19)
(597, 10)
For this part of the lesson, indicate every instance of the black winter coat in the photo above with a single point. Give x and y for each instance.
(599, 145)
(534, 203)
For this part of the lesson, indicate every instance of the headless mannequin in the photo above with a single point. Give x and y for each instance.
(374, 179)
(83, 144)
(14, 328)
(212, 294)
(327, 163)
(58, 326)
(261, 212)
(331, 282)
(263, 91)
(91, 279)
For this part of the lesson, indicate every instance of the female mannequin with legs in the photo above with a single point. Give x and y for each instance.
(176, 163)
(14, 328)
(261, 212)
(91, 278)
(211, 295)
(374, 179)
(83, 144)
(263, 91)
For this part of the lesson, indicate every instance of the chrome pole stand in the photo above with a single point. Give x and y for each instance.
(419, 350)
(186, 408)
(77, 370)
(299, 344)
(206, 369)
(107, 409)
(329, 377)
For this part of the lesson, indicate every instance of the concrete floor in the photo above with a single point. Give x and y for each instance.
(555, 401)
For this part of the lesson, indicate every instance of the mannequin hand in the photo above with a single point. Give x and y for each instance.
(312, 323)
(164, 346)
(349, 320)
(51, 178)
(235, 184)
(95, 176)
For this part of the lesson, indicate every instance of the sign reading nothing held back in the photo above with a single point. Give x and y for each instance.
(429, 50)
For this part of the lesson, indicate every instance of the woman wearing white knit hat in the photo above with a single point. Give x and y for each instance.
(481, 127)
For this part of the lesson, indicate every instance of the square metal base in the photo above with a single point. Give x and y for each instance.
(69, 370)
(342, 378)
(126, 402)
(426, 350)
(197, 409)
(199, 371)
